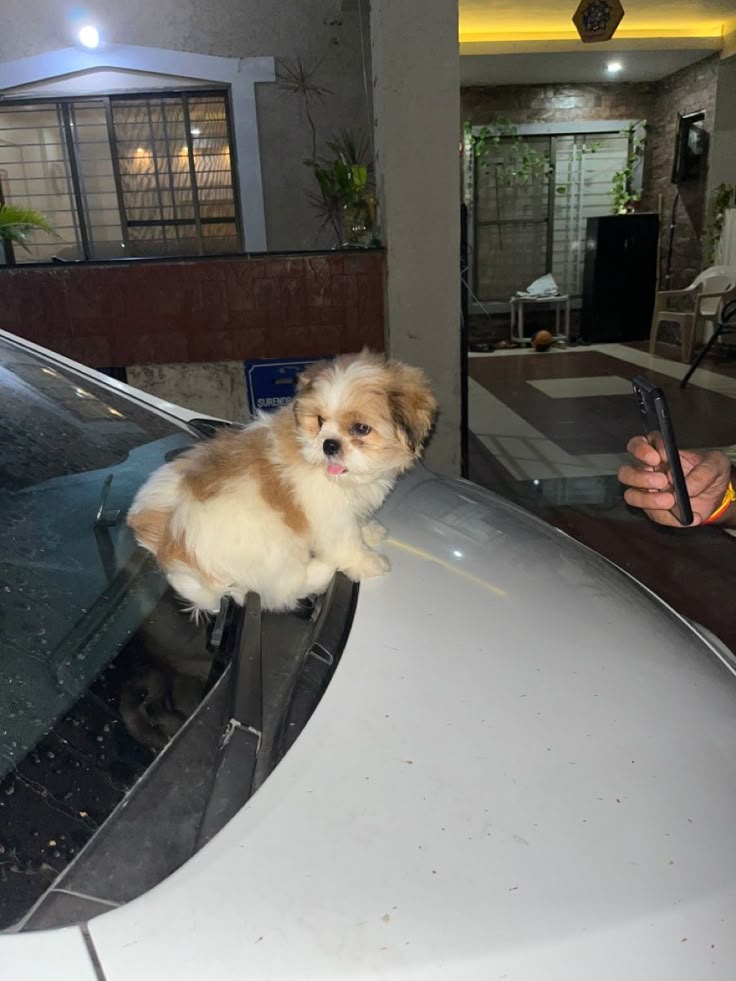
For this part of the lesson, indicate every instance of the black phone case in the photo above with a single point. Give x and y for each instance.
(656, 417)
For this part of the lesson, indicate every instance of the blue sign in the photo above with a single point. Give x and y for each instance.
(271, 382)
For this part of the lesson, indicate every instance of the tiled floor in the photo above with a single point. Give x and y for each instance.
(550, 430)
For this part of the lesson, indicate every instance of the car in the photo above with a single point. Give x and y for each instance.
(505, 759)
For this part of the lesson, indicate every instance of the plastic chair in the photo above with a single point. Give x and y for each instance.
(704, 294)
(725, 324)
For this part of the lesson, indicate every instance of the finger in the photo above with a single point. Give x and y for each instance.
(705, 477)
(650, 500)
(667, 518)
(647, 479)
(690, 460)
(640, 448)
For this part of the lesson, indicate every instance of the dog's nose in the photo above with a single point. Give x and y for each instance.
(331, 447)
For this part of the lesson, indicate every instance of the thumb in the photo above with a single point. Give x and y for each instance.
(705, 477)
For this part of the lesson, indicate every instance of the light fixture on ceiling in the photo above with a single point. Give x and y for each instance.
(89, 36)
(614, 67)
(195, 132)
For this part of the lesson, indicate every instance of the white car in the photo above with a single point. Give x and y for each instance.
(506, 759)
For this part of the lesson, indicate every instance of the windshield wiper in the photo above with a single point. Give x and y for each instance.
(106, 517)
(241, 738)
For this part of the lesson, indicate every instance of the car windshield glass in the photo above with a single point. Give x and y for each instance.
(109, 693)
(72, 584)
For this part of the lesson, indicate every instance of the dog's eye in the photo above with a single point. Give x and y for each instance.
(320, 421)
(359, 429)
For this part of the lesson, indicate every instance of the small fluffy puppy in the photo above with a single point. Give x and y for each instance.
(278, 507)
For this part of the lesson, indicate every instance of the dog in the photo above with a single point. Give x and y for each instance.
(279, 506)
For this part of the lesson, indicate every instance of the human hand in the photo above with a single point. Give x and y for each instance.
(706, 476)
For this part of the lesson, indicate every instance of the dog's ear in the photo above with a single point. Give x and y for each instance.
(412, 404)
(305, 378)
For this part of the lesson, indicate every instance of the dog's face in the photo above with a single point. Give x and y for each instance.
(360, 417)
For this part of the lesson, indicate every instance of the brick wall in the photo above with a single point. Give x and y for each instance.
(187, 311)
(558, 103)
(690, 90)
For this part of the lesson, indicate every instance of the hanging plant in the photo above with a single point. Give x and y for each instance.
(723, 198)
(623, 197)
(520, 162)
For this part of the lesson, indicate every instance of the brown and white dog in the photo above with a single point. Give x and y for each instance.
(278, 507)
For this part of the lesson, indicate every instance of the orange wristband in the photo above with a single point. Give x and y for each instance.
(728, 498)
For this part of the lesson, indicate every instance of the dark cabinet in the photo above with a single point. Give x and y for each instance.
(619, 277)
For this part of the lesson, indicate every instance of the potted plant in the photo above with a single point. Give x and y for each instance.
(17, 224)
(346, 199)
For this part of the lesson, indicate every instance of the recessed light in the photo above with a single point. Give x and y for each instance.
(613, 66)
(89, 36)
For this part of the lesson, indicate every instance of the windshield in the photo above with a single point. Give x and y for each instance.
(72, 456)
(100, 668)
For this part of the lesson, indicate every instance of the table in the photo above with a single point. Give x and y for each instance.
(561, 304)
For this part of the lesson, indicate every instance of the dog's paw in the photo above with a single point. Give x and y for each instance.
(366, 565)
(373, 533)
(318, 577)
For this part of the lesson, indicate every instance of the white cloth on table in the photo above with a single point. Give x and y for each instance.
(544, 286)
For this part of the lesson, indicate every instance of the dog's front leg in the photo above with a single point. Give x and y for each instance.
(364, 563)
(351, 556)
(373, 533)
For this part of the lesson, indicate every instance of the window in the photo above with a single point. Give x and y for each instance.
(524, 230)
(123, 176)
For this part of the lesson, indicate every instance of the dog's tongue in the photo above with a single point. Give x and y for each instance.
(335, 468)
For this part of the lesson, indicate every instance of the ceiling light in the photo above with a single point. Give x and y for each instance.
(613, 66)
(89, 36)
(195, 132)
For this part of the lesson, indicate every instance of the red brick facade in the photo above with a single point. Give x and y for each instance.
(199, 310)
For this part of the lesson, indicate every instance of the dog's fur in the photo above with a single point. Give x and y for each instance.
(278, 507)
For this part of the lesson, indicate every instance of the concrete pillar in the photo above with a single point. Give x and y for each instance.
(416, 103)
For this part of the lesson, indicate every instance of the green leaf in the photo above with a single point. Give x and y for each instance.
(17, 224)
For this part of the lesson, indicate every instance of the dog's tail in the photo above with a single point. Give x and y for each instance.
(150, 513)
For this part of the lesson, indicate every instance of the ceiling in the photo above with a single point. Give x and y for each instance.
(487, 19)
(519, 42)
(530, 68)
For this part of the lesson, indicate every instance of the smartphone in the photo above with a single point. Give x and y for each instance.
(658, 429)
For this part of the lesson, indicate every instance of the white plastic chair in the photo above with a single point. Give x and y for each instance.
(704, 294)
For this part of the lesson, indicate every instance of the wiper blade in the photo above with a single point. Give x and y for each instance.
(106, 517)
(139, 566)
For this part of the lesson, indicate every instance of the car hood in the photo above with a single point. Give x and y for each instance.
(523, 767)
